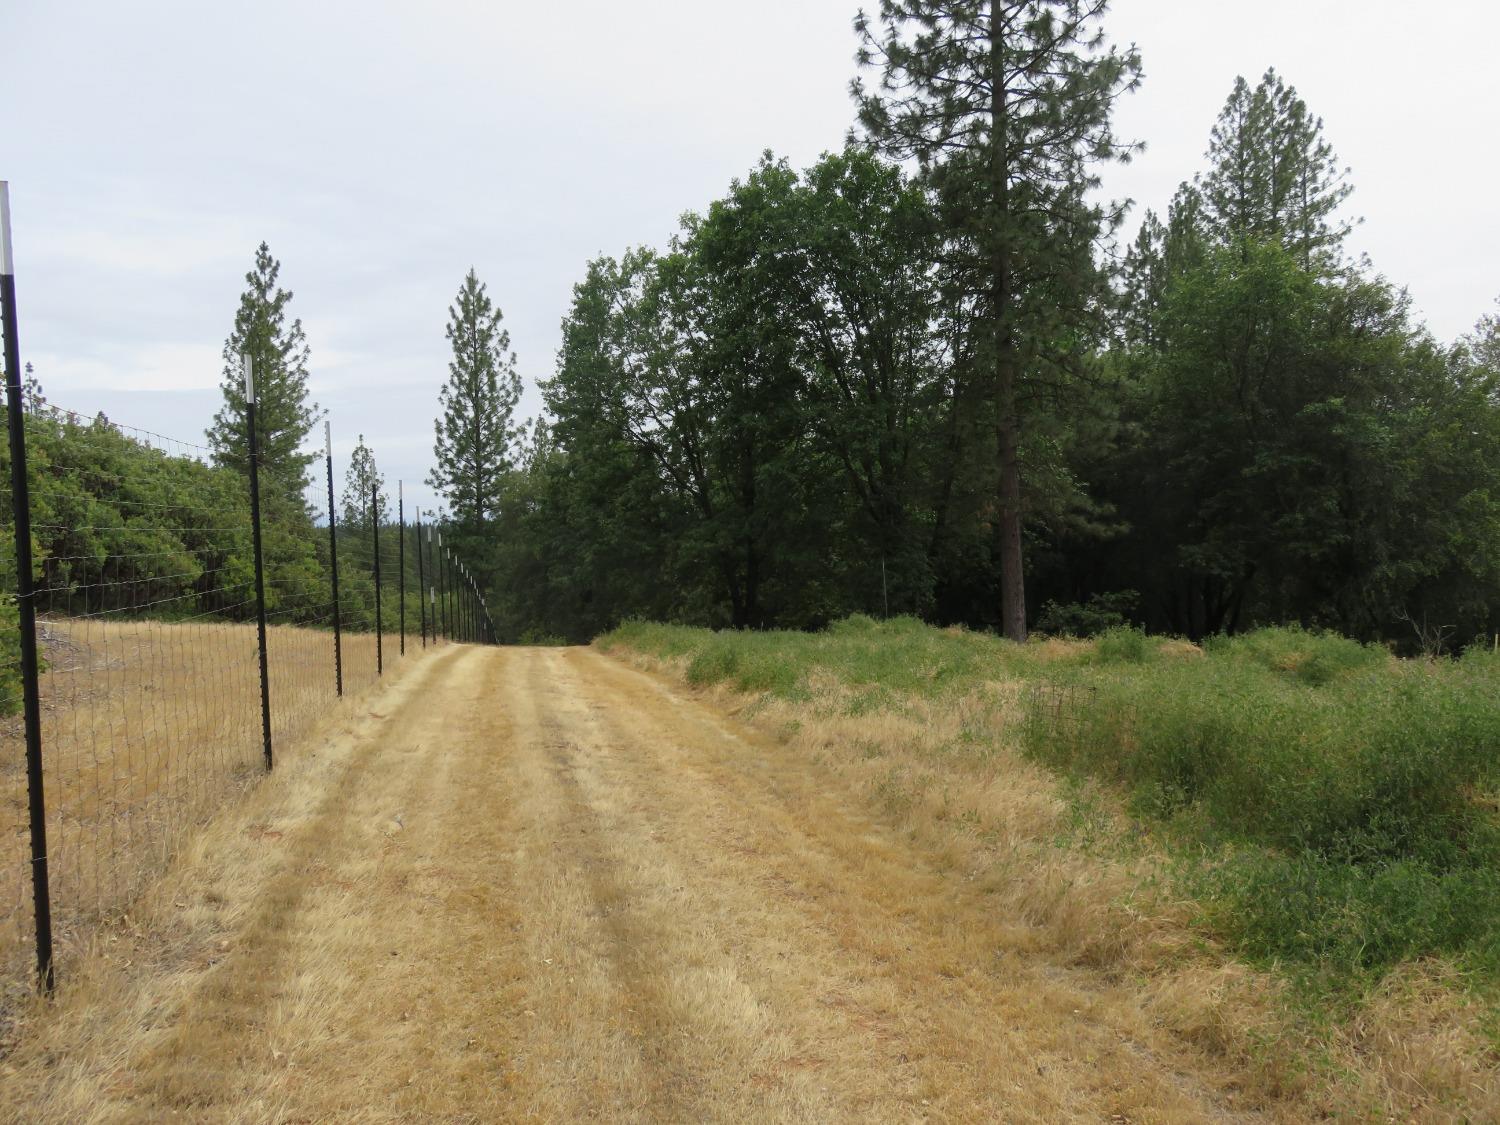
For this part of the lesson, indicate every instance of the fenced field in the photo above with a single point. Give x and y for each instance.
(147, 728)
(147, 587)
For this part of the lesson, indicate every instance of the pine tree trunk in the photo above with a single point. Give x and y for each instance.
(1012, 576)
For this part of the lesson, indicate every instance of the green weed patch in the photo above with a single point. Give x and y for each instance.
(1331, 806)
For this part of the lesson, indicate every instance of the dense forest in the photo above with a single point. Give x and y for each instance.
(815, 399)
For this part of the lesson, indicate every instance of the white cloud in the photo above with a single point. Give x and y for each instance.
(156, 367)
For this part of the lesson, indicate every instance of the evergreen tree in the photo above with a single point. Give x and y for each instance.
(1272, 175)
(360, 480)
(278, 353)
(477, 431)
(1484, 342)
(1005, 105)
(31, 392)
(1144, 279)
(1160, 253)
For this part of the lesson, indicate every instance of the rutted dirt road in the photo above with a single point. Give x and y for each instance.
(536, 884)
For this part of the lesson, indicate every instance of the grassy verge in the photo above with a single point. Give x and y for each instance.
(1338, 803)
(1314, 807)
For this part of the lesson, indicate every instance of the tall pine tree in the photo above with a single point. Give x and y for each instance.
(1484, 342)
(477, 429)
(1273, 177)
(1005, 105)
(279, 353)
(360, 480)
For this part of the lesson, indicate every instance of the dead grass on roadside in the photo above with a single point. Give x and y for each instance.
(1082, 886)
(147, 728)
(227, 894)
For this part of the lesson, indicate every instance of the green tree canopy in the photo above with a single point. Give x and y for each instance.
(1006, 108)
(362, 480)
(279, 355)
(476, 433)
(1272, 176)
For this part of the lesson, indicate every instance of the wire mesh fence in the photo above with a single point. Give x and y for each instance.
(1074, 724)
(149, 690)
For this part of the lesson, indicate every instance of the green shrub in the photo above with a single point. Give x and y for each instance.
(856, 624)
(1481, 658)
(1088, 619)
(712, 664)
(540, 638)
(1345, 919)
(1350, 808)
(10, 657)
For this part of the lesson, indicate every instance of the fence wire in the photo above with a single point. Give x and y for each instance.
(150, 685)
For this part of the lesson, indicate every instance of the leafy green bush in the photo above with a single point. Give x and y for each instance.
(540, 638)
(1482, 658)
(712, 664)
(1088, 619)
(1345, 919)
(10, 658)
(121, 526)
(901, 654)
(856, 624)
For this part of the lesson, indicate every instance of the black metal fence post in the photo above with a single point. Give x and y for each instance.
(401, 558)
(247, 369)
(375, 550)
(433, 580)
(333, 563)
(441, 591)
(421, 582)
(41, 888)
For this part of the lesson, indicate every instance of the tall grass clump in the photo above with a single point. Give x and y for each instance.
(1339, 793)
(1310, 657)
(1123, 644)
(902, 655)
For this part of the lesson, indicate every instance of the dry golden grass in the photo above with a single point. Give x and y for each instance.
(147, 727)
(538, 884)
(1084, 894)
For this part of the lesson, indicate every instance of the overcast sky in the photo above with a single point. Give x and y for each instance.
(382, 149)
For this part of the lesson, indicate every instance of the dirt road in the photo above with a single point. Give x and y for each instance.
(535, 884)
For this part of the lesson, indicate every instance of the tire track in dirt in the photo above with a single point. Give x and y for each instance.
(236, 1024)
(669, 1028)
(907, 954)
